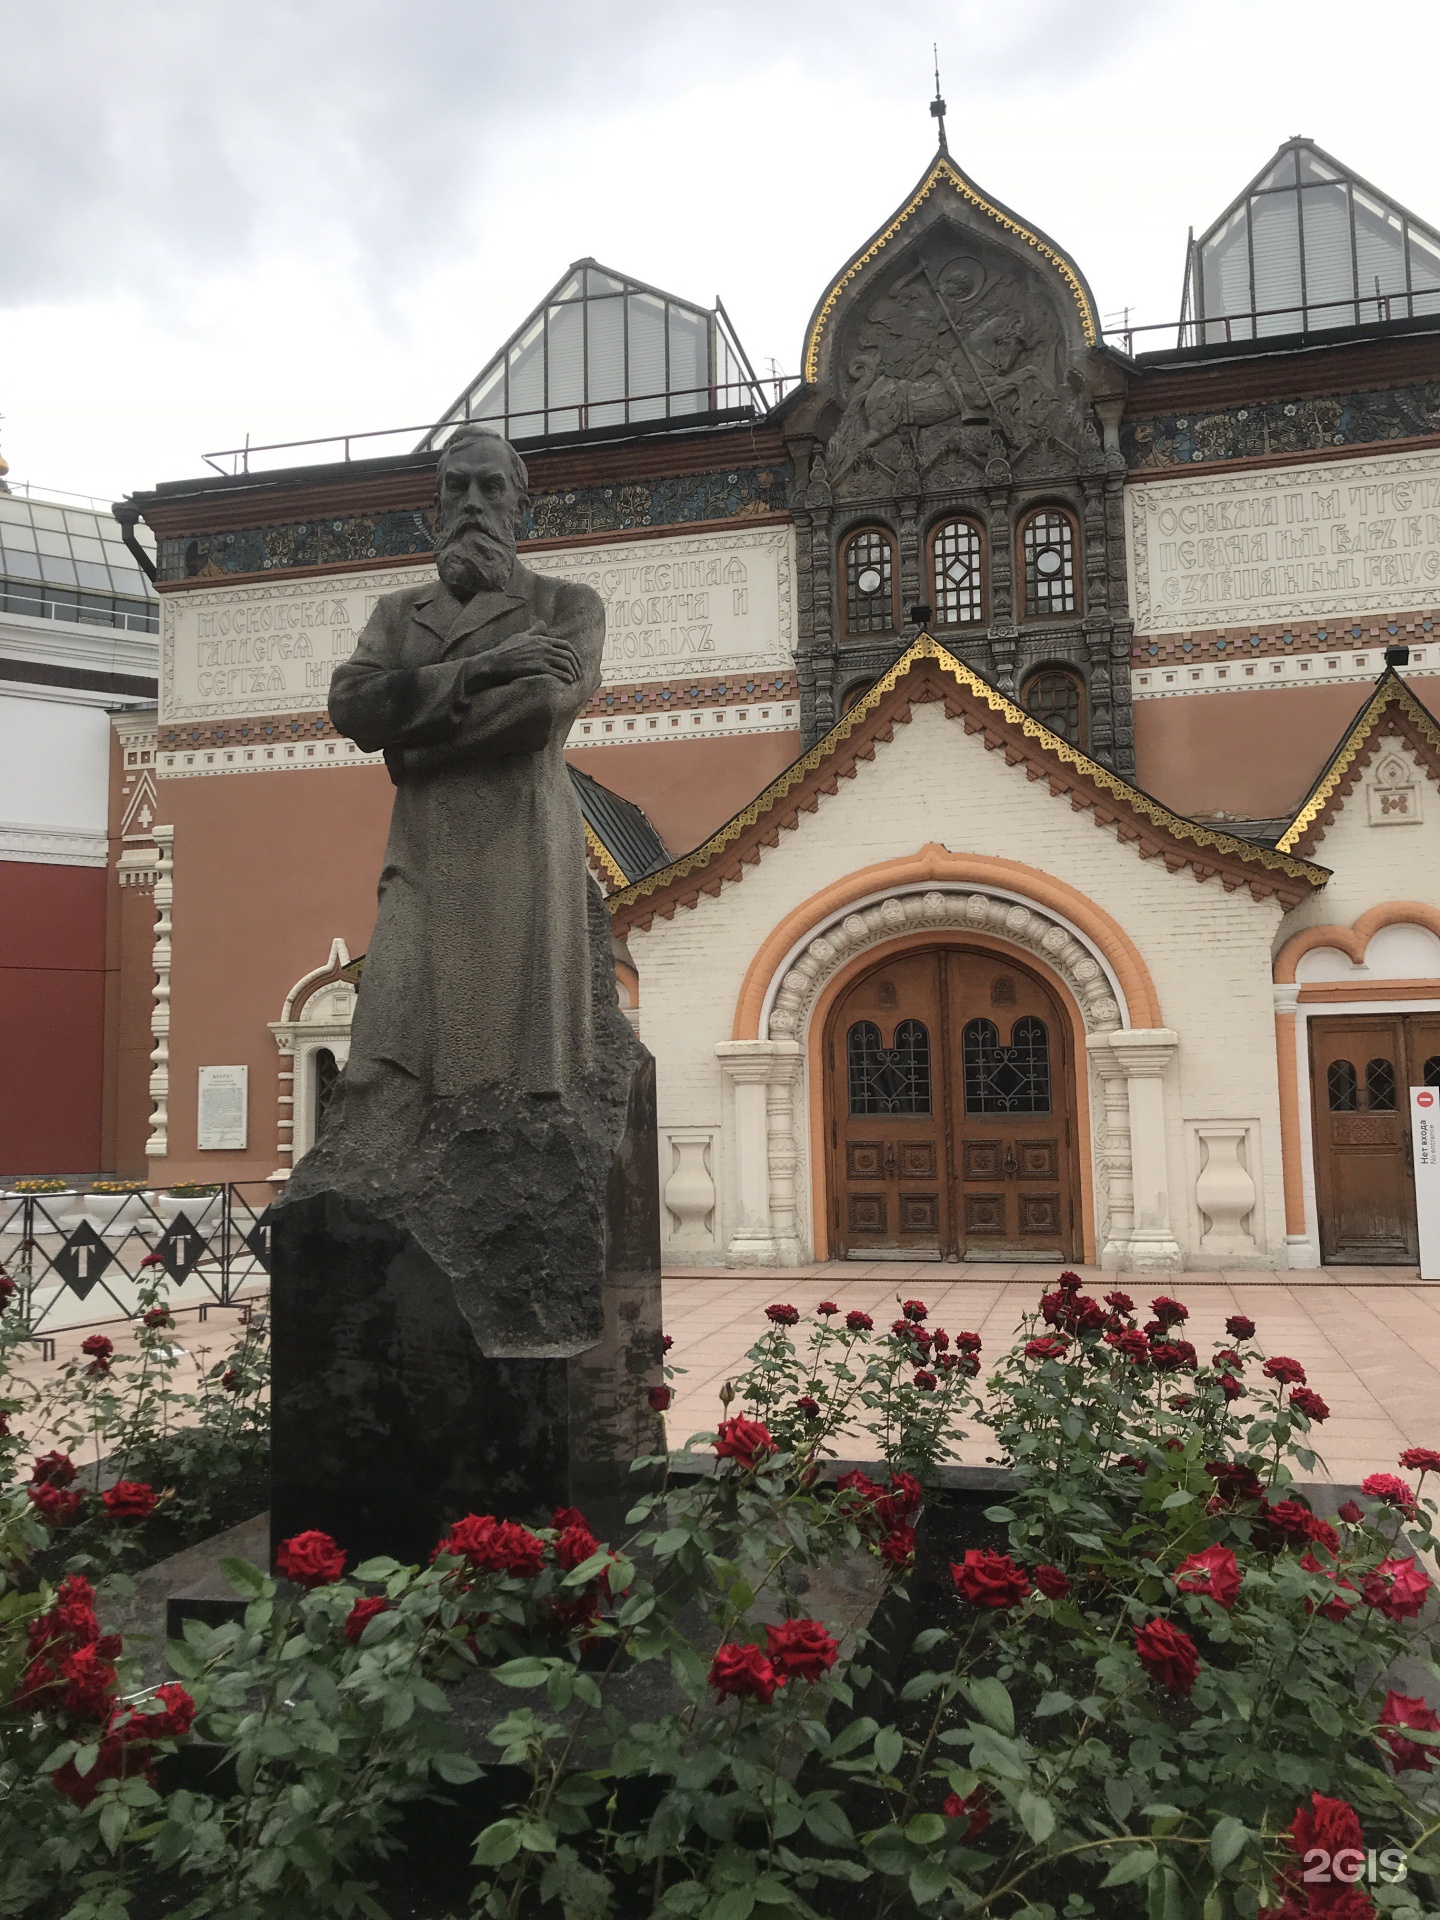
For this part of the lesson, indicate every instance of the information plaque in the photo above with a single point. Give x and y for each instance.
(223, 1124)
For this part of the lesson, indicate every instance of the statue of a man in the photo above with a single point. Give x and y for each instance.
(479, 969)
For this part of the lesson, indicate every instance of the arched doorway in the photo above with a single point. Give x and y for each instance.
(950, 1091)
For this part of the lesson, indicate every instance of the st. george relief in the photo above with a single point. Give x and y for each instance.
(955, 364)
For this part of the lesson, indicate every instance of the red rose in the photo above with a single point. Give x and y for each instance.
(576, 1543)
(1168, 1655)
(858, 1322)
(1172, 1356)
(310, 1559)
(494, 1546)
(53, 1470)
(1285, 1521)
(1132, 1344)
(1240, 1327)
(1231, 1387)
(152, 1260)
(743, 1673)
(8, 1291)
(990, 1580)
(1305, 1400)
(968, 1343)
(800, 1649)
(1397, 1587)
(362, 1613)
(129, 1500)
(230, 1380)
(925, 1381)
(860, 1484)
(1228, 1357)
(827, 1307)
(897, 1548)
(809, 1406)
(1401, 1710)
(1121, 1302)
(1069, 1281)
(1352, 1513)
(667, 1341)
(1288, 1372)
(177, 1714)
(900, 1501)
(1047, 1348)
(914, 1309)
(89, 1683)
(746, 1441)
(1337, 1607)
(158, 1317)
(659, 1398)
(1053, 1582)
(1420, 1460)
(1234, 1482)
(1331, 1828)
(1167, 1311)
(1385, 1486)
(97, 1346)
(782, 1315)
(1213, 1572)
(974, 1809)
(71, 1619)
(57, 1506)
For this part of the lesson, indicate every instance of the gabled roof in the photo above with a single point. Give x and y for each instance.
(619, 839)
(1391, 710)
(943, 177)
(925, 672)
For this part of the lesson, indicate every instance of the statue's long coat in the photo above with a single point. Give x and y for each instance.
(478, 971)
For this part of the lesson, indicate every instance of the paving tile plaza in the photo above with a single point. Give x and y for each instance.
(1368, 1337)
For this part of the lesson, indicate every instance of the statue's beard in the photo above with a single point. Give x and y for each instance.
(471, 559)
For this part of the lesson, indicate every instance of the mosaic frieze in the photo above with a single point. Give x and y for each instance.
(734, 494)
(1269, 427)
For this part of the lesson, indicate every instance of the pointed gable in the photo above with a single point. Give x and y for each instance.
(1393, 712)
(928, 673)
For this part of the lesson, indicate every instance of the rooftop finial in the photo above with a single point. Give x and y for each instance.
(937, 105)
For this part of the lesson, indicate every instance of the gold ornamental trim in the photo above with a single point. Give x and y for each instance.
(603, 857)
(1392, 692)
(944, 172)
(924, 647)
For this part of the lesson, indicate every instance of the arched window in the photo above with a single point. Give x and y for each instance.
(1013, 1079)
(1342, 1086)
(1057, 697)
(856, 691)
(1047, 548)
(327, 1072)
(868, 566)
(1380, 1086)
(889, 1079)
(956, 573)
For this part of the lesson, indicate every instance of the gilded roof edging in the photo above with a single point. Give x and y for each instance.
(603, 857)
(944, 169)
(1392, 692)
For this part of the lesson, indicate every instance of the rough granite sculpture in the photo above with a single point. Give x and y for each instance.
(466, 1266)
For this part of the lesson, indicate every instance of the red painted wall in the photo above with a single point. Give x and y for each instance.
(52, 1017)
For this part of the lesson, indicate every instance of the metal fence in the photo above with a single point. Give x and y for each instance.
(83, 1255)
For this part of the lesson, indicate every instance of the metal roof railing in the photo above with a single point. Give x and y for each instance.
(1217, 329)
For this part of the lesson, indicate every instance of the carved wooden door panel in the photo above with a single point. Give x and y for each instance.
(1015, 1182)
(1359, 1075)
(887, 1113)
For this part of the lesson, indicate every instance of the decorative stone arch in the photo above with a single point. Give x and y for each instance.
(775, 1085)
(316, 1017)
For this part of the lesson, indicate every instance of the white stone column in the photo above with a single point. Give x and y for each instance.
(1144, 1053)
(1115, 1195)
(762, 1076)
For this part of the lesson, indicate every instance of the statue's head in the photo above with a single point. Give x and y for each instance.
(482, 495)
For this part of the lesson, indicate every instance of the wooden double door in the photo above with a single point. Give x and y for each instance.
(1362, 1068)
(950, 1112)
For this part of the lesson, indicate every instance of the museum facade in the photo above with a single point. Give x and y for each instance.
(1014, 776)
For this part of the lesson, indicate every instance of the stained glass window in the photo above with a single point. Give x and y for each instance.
(1055, 697)
(955, 548)
(894, 1080)
(869, 582)
(1013, 1079)
(1047, 540)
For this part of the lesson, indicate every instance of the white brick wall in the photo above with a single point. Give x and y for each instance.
(1208, 951)
(1374, 863)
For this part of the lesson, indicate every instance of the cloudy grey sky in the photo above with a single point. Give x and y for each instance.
(292, 217)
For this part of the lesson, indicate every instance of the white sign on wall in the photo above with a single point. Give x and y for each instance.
(706, 603)
(224, 1122)
(1425, 1138)
(1285, 543)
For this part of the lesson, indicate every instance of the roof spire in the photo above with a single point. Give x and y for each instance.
(937, 105)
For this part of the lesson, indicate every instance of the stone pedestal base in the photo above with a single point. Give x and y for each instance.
(389, 1422)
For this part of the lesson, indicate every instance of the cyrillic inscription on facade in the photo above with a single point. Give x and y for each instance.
(1288, 543)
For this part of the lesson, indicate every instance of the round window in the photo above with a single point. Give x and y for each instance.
(869, 580)
(1048, 562)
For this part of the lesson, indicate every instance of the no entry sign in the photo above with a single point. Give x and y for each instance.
(1425, 1134)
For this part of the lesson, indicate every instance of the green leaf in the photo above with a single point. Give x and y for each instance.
(1037, 1815)
(114, 1819)
(1228, 1841)
(1180, 1499)
(1130, 1867)
(992, 1702)
(686, 1896)
(829, 1823)
(498, 1843)
(855, 1735)
(736, 1905)
(1002, 1516)
(526, 1672)
(1053, 1703)
(246, 1580)
(925, 1829)
(928, 1881)
(889, 1749)
(457, 1768)
(1120, 1798)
